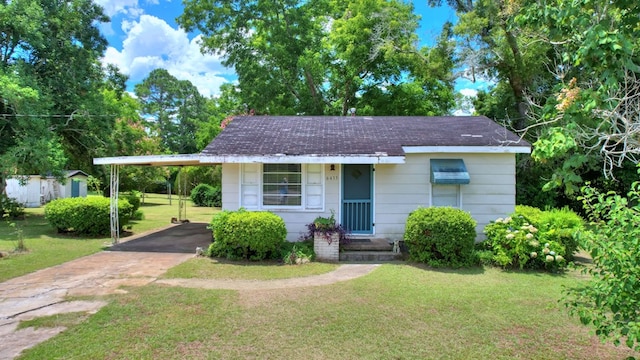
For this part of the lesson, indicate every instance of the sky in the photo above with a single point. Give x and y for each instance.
(143, 35)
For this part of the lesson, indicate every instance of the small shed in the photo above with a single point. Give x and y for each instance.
(37, 190)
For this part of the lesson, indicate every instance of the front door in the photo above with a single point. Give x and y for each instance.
(357, 204)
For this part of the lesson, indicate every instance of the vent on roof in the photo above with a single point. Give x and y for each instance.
(471, 135)
(449, 171)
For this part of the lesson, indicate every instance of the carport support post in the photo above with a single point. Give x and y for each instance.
(114, 185)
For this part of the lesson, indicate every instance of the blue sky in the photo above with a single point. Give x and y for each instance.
(143, 35)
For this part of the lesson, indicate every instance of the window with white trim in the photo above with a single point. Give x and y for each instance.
(284, 186)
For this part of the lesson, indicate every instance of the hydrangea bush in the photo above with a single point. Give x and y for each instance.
(514, 243)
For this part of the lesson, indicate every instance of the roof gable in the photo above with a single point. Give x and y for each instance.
(357, 135)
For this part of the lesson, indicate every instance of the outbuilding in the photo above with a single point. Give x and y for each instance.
(37, 190)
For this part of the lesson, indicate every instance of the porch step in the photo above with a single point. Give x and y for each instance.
(372, 256)
(362, 244)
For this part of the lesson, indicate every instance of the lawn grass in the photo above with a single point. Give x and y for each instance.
(48, 248)
(207, 268)
(399, 311)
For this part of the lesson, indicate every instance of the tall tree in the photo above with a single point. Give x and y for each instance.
(310, 57)
(50, 50)
(175, 109)
(492, 45)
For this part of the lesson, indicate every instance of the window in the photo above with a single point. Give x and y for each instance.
(273, 186)
(282, 184)
(445, 195)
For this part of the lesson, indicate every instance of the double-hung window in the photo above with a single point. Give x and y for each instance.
(282, 186)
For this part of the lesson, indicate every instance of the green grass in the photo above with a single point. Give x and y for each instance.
(396, 312)
(206, 268)
(48, 248)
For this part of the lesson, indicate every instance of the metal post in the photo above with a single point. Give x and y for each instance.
(182, 201)
(114, 185)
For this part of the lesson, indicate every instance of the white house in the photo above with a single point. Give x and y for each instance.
(36, 190)
(370, 171)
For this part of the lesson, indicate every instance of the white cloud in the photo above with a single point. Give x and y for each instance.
(469, 92)
(151, 43)
(127, 7)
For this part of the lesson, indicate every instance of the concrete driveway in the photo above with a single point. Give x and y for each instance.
(135, 262)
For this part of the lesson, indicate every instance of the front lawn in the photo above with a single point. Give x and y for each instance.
(48, 248)
(396, 312)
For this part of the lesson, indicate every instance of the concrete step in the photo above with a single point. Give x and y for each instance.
(357, 244)
(373, 256)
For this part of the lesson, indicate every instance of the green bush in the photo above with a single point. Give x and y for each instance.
(247, 235)
(562, 226)
(206, 195)
(87, 216)
(532, 214)
(518, 240)
(514, 243)
(295, 253)
(10, 207)
(441, 237)
(134, 199)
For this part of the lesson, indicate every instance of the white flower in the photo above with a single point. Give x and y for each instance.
(499, 220)
(552, 253)
(529, 236)
(545, 250)
(559, 258)
(549, 258)
(507, 220)
(546, 245)
(510, 236)
(533, 254)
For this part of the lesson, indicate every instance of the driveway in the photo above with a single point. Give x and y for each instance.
(183, 238)
(134, 262)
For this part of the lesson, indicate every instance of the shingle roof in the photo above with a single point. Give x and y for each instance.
(337, 136)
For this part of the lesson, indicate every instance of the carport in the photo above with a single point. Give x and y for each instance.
(183, 238)
(147, 160)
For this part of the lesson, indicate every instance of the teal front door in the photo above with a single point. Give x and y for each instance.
(357, 204)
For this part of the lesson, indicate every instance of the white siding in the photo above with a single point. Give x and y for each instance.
(399, 189)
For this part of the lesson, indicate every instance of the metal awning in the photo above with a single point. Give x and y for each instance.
(449, 171)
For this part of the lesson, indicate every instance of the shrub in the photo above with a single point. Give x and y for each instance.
(10, 207)
(531, 229)
(562, 226)
(134, 199)
(87, 216)
(247, 235)
(297, 253)
(206, 195)
(609, 300)
(514, 243)
(441, 237)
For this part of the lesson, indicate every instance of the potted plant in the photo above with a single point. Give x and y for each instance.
(327, 235)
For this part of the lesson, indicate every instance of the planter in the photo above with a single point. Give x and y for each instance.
(326, 246)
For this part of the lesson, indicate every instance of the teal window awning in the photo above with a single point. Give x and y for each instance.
(449, 171)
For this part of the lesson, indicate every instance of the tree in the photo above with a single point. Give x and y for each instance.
(52, 111)
(493, 46)
(175, 109)
(590, 121)
(319, 56)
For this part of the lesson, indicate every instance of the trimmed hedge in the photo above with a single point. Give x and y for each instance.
(206, 195)
(247, 235)
(134, 199)
(441, 237)
(86, 216)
